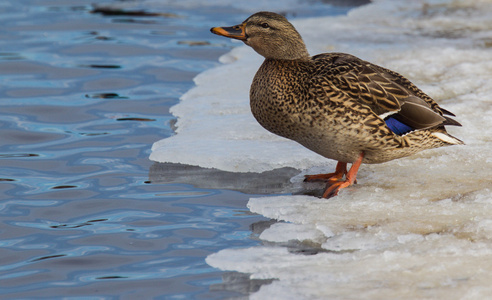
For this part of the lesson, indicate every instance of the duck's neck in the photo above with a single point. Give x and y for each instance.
(298, 54)
(287, 54)
(290, 49)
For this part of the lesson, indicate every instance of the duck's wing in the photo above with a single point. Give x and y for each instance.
(387, 93)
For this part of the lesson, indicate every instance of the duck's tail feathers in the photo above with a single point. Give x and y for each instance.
(451, 122)
(447, 138)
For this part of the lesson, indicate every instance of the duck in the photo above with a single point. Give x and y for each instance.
(336, 104)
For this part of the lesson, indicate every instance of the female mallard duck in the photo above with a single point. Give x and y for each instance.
(336, 104)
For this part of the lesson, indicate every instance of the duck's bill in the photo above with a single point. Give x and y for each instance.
(233, 32)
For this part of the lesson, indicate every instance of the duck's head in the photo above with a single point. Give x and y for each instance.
(269, 34)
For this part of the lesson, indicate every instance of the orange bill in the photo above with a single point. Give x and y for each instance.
(233, 32)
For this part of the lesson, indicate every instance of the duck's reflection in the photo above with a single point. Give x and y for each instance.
(239, 283)
(269, 182)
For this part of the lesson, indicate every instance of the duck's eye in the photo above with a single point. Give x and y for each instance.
(265, 25)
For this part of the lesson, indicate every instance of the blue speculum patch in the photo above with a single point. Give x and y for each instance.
(397, 127)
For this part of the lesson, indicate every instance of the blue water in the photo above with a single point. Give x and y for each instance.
(83, 212)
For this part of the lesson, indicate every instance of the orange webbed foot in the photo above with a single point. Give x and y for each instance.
(333, 187)
(340, 171)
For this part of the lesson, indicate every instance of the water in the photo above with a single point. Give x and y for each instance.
(84, 212)
(413, 228)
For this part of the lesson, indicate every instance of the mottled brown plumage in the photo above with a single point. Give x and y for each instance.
(336, 104)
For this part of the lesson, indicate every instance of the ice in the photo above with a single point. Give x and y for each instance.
(284, 232)
(414, 228)
(426, 268)
(385, 247)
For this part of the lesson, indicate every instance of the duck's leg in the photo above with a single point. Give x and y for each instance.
(332, 188)
(340, 170)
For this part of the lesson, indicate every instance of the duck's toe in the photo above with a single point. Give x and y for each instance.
(330, 177)
(340, 171)
(332, 188)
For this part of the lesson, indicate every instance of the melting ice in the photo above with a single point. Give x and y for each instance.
(414, 228)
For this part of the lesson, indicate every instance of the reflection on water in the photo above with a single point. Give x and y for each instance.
(239, 282)
(269, 182)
